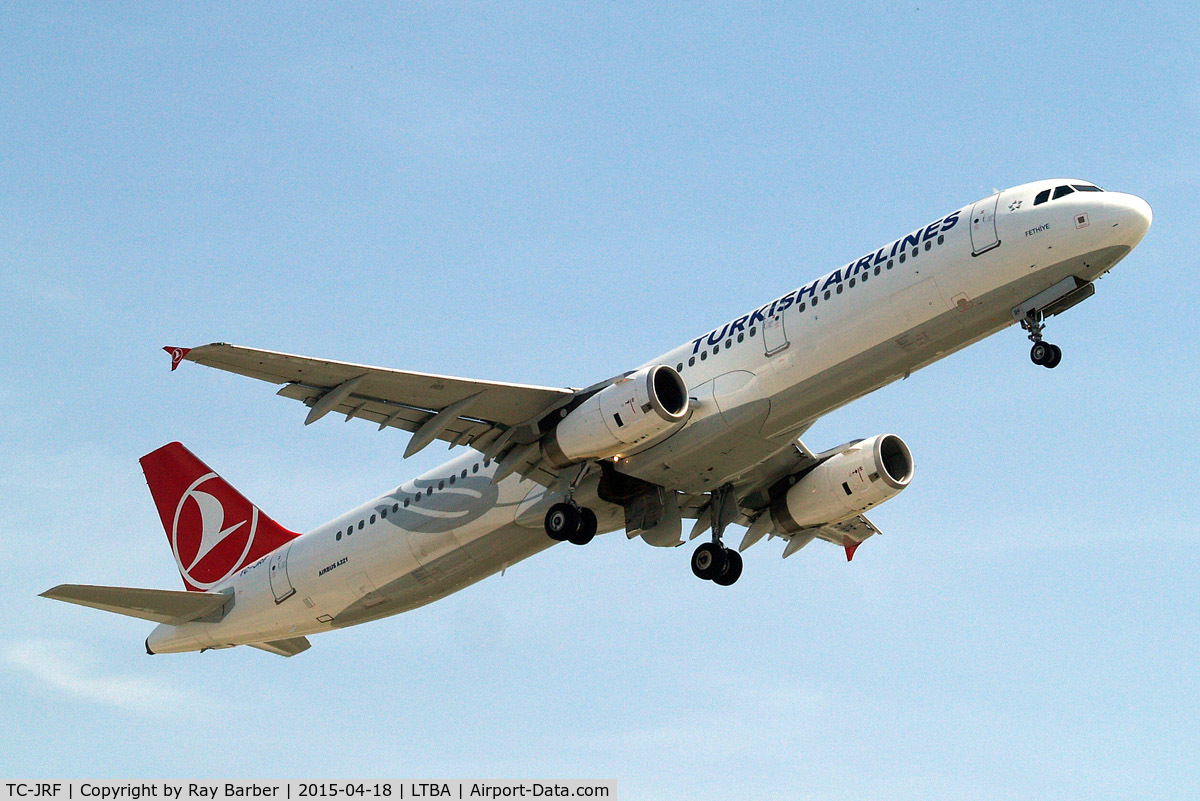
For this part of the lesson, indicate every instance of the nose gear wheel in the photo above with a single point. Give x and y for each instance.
(1042, 353)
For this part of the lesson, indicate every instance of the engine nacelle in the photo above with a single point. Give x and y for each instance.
(846, 484)
(643, 405)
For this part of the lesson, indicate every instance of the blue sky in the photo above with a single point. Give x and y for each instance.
(552, 194)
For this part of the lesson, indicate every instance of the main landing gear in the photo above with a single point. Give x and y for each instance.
(570, 522)
(712, 561)
(1042, 353)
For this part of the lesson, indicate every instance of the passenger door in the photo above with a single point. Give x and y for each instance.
(774, 334)
(983, 225)
(281, 584)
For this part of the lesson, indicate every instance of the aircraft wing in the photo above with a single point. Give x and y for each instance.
(848, 533)
(490, 416)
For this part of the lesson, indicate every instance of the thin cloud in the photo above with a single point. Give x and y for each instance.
(62, 667)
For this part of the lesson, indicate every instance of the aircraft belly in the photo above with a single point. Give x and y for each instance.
(723, 433)
(477, 559)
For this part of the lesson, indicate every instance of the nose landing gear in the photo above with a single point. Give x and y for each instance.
(1057, 299)
(1045, 354)
(1042, 353)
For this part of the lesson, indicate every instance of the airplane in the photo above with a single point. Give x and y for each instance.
(708, 431)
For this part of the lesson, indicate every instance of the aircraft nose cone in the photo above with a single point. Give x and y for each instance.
(1134, 215)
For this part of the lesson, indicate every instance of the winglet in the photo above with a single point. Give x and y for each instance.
(177, 355)
(851, 547)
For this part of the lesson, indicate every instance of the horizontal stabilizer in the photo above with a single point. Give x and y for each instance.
(289, 647)
(160, 606)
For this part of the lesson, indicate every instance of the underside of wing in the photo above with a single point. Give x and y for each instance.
(848, 533)
(752, 487)
(754, 494)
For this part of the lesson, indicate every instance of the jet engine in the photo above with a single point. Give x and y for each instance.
(864, 474)
(638, 407)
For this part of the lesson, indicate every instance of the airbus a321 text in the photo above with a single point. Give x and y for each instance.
(708, 431)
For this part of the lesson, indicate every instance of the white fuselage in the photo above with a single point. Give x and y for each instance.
(756, 383)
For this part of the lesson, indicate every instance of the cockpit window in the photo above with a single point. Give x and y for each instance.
(1063, 191)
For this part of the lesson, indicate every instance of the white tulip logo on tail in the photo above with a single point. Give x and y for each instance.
(212, 551)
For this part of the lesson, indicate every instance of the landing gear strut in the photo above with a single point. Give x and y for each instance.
(570, 522)
(1042, 353)
(712, 561)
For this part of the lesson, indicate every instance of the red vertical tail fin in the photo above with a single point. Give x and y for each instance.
(211, 527)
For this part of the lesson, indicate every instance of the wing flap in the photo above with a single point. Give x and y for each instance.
(160, 606)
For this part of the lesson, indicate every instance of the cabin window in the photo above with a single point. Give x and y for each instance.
(901, 261)
(801, 307)
(716, 349)
(360, 525)
(441, 485)
(475, 467)
(1062, 191)
(429, 491)
(395, 507)
(741, 337)
(703, 355)
(406, 503)
(452, 478)
(827, 294)
(679, 367)
(338, 537)
(372, 519)
(691, 361)
(839, 289)
(928, 245)
(728, 344)
(889, 265)
(941, 239)
(852, 283)
(383, 513)
(464, 473)
(753, 330)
